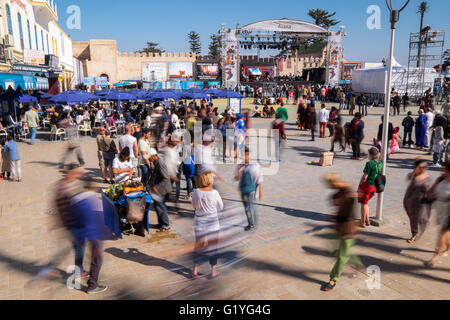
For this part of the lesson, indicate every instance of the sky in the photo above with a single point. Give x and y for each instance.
(134, 22)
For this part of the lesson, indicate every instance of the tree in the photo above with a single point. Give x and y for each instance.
(152, 47)
(422, 9)
(214, 46)
(322, 18)
(194, 42)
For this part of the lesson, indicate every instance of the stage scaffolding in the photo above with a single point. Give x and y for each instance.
(430, 45)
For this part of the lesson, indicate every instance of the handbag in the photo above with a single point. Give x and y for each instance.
(380, 181)
(136, 210)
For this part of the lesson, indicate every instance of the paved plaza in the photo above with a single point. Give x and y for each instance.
(289, 256)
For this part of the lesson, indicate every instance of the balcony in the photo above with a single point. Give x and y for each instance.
(46, 9)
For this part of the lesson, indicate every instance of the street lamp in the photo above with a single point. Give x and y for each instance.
(395, 17)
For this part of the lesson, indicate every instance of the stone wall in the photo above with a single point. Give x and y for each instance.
(101, 57)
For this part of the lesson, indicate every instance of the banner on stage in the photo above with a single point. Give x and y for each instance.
(180, 71)
(154, 72)
(230, 52)
(335, 58)
(348, 68)
(214, 84)
(207, 71)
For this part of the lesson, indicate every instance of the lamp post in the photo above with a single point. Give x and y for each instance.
(395, 17)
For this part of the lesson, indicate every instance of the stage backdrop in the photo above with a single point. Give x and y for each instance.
(335, 58)
(348, 68)
(154, 72)
(230, 54)
(207, 71)
(180, 71)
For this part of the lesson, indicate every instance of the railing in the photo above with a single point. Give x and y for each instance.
(2, 53)
(51, 4)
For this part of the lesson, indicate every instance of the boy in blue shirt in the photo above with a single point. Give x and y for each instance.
(14, 159)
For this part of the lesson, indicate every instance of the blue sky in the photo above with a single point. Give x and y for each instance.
(133, 22)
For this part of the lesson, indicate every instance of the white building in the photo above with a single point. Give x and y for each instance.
(35, 43)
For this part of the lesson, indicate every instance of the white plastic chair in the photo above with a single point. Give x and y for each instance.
(113, 131)
(86, 128)
(3, 134)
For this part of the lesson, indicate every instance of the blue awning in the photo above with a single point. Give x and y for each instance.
(15, 81)
(42, 83)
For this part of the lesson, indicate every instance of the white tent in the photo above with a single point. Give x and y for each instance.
(373, 81)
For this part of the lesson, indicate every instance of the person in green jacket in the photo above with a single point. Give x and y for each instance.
(32, 119)
(284, 113)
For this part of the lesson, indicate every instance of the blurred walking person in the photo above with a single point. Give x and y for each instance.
(73, 141)
(207, 204)
(440, 194)
(278, 126)
(250, 181)
(346, 227)
(415, 202)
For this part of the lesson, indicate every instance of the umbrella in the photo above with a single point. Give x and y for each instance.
(71, 98)
(119, 96)
(213, 92)
(102, 93)
(194, 96)
(44, 95)
(161, 96)
(229, 94)
(18, 96)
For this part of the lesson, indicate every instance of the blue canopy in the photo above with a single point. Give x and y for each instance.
(229, 94)
(18, 96)
(43, 95)
(73, 97)
(193, 96)
(161, 96)
(119, 96)
(102, 93)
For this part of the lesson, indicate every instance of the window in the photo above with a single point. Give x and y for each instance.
(48, 46)
(19, 19)
(42, 37)
(29, 35)
(37, 39)
(8, 17)
(62, 45)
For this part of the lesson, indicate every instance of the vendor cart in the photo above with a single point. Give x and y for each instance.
(112, 216)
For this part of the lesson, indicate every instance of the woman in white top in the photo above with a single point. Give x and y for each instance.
(440, 193)
(122, 167)
(207, 204)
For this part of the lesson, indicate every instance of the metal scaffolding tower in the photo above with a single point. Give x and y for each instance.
(430, 45)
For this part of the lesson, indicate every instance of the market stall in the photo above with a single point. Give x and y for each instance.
(133, 198)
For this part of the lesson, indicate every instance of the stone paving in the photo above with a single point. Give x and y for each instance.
(288, 256)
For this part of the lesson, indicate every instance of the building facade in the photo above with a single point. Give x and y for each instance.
(100, 58)
(34, 46)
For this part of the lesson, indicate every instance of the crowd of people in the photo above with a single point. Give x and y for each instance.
(159, 145)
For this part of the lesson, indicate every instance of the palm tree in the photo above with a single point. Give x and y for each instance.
(422, 9)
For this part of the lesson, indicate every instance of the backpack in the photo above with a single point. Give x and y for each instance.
(380, 180)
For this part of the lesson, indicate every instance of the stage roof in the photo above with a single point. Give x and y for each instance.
(286, 26)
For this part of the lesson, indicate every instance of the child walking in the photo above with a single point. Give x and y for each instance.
(14, 159)
(5, 172)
